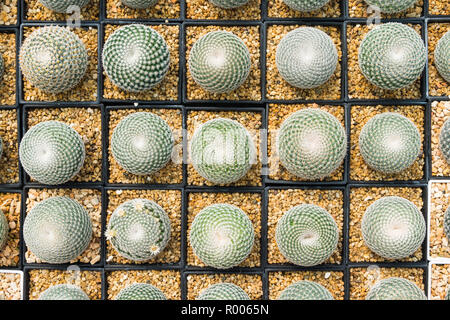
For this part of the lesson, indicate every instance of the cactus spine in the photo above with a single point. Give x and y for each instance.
(442, 56)
(63, 292)
(139, 4)
(223, 291)
(222, 236)
(305, 290)
(142, 143)
(63, 6)
(395, 289)
(444, 140)
(391, 6)
(228, 4)
(4, 229)
(141, 291)
(307, 235)
(139, 229)
(305, 5)
(57, 230)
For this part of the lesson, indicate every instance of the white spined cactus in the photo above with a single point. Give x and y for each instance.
(52, 152)
(393, 227)
(139, 4)
(64, 6)
(223, 291)
(447, 297)
(305, 5)
(63, 292)
(142, 143)
(307, 235)
(136, 58)
(395, 289)
(392, 56)
(391, 6)
(306, 57)
(4, 229)
(444, 140)
(228, 4)
(222, 236)
(2, 67)
(53, 59)
(442, 56)
(305, 290)
(140, 291)
(447, 223)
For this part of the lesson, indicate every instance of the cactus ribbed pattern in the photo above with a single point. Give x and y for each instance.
(305, 5)
(444, 140)
(311, 144)
(228, 4)
(4, 229)
(222, 236)
(139, 229)
(306, 57)
(139, 4)
(389, 142)
(447, 223)
(141, 291)
(307, 235)
(219, 62)
(392, 56)
(223, 291)
(52, 152)
(142, 143)
(61, 6)
(57, 230)
(305, 290)
(393, 227)
(442, 56)
(53, 59)
(391, 6)
(395, 289)
(136, 58)
(63, 292)
(222, 151)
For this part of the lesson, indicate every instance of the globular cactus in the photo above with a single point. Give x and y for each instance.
(57, 230)
(447, 223)
(52, 152)
(223, 291)
(447, 297)
(219, 62)
(136, 58)
(307, 235)
(306, 57)
(305, 5)
(141, 291)
(139, 229)
(391, 6)
(222, 236)
(139, 4)
(392, 56)
(2, 67)
(63, 292)
(4, 229)
(442, 56)
(1, 147)
(142, 143)
(444, 140)
(393, 227)
(53, 59)
(395, 289)
(389, 143)
(228, 4)
(311, 144)
(305, 290)
(222, 151)
(63, 6)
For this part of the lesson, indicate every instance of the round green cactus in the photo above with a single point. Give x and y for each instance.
(52, 152)
(391, 6)
(444, 140)
(219, 62)
(447, 223)
(142, 143)
(305, 5)
(307, 235)
(223, 291)
(389, 143)
(61, 6)
(393, 227)
(305, 290)
(139, 229)
(63, 292)
(395, 289)
(2, 67)
(136, 58)
(392, 56)
(139, 4)
(306, 57)
(222, 151)
(4, 229)
(222, 236)
(442, 56)
(311, 144)
(141, 291)
(228, 4)
(53, 59)
(57, 230)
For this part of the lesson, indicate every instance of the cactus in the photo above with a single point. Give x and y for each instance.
(141, 291)
(223, 291)
(136, 58)
(306, 57)
(53, 59)
(311, 144)
(222, 151)
(389, 143)
(63, 6)
(57, 230)
(395, 289)
(2, 67)
(4, 229)
(447, 223)
(444, 140)
(228, 4)
(392, 56)
(305, 5)
(305, 290)
(139, 229)
(63, 292)
(52, 152)
(139, 4)
(1, 147)
(307, 235)
(447, 297)
(391, 6)
(219, 62)
(442, 56)
(393, 227)
(222, 236)
(142, 143)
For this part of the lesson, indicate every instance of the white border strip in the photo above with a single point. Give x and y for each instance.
(21, 279)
